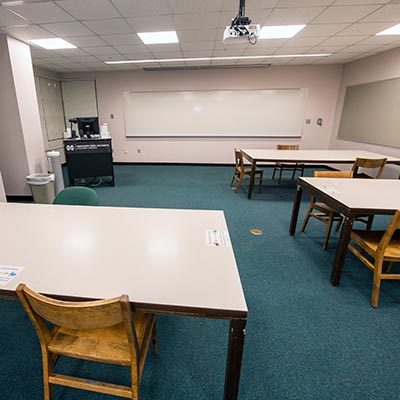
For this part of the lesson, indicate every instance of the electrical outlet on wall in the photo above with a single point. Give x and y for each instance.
(139, 151)
(125, 151)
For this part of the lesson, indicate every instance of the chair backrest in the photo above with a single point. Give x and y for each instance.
(390, 230)
(238, 159)
(333, 174)
(287, 146)
(370, 163)
(86, 315)
(77, 196)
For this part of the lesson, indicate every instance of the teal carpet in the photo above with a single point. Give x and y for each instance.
(305, 338)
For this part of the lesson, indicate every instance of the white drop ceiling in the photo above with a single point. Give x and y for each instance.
(105, 30)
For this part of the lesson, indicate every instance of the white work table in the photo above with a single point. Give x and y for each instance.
(349, 197)
(255, 156)
(159, 257)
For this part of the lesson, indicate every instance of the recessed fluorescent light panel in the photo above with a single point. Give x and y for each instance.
(53, 44)
(280, 32)
(158, 37)
(394, 30)
(167, 60)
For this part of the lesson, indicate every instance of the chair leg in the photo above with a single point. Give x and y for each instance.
(233, 178)
(239, 179)
(328, 231)
(294, 172)
(308, 215)
(339, 224)
(370, 221)
(273, 173)
(154, 338)
(47, 370)
(261, 179)
(388, 267)
(376, 285)
(280, 175)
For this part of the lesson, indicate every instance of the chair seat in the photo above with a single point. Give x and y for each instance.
(247, 170)
(113, 347)
(370, 241)
(323, 207)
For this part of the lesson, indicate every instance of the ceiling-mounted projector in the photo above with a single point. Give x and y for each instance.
(242, 33)
(241, 29)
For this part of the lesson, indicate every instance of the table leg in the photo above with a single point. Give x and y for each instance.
(341, 250)
(234, 359)
(252, 177)
(295, 211)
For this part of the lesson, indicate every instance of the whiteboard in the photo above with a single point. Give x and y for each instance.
(371, 113)
(221, 113)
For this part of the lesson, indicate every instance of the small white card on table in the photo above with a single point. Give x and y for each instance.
(7, 273)
(217, 238)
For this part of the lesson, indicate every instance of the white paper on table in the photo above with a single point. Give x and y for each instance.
(217, 238)
(7, 273)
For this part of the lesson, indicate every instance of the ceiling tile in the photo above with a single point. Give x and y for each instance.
(345, 14)
(197, 46)
(86, 41)
(261, 51)
(356, 49)
(111, 57)
(195, 54)
(167, 54)
(325, 49)
(233, 5)
(193, 21)
(385, 14)
(28, 32)
(133, 49)
(305, 41)
(139, 8)
(360, 2)
(70, 52)
(304, 3)
(384, 39)
(256, 16)
(287, 16)
(365, 29)
(341, 41)
(109, 26)
(123, 39)
(101, 51)
(293, 50)
(85, 59)
(151, 24)
(198, 35)
(194, 7)
(68, 29)
(42, 13)
(322, 29)
(164, 47)
(89, 9)
(7, 18)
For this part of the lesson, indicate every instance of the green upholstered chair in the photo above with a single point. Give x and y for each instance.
(77, 196)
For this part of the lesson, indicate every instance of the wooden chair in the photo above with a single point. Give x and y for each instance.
(375, 167)
(374, 248)
(77, 196)
(104, 331)
(323, 212)
(241, 171)
(377, 164)
(287, 167)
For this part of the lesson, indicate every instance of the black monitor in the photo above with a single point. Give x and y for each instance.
(88, 126)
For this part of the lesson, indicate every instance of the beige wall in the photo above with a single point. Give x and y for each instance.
(323, 83)
(375, 68)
